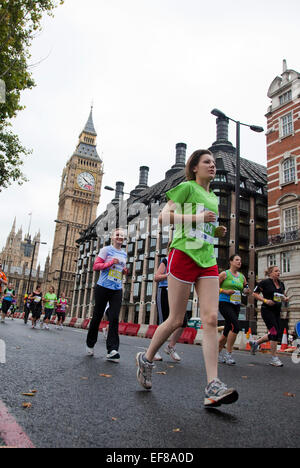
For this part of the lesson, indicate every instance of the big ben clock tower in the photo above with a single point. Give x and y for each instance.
(79, 197)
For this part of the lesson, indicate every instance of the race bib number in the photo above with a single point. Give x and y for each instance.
(37, 299)
(115, 275)
(235, 298)
(203, 231)
(278, 298)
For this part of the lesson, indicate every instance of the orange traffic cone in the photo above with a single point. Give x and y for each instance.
(284, 341)
(266, 346)
(249, 338)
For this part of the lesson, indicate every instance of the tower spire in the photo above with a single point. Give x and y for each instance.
(13, 229)
(89, 126)
(86, 147)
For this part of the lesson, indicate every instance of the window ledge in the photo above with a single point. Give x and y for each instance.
(283, 184)
(282, 137)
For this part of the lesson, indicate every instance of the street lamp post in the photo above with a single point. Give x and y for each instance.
(111, 189)
(254, 128)
(32, 260)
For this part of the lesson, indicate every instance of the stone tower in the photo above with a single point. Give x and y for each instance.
(79, 197)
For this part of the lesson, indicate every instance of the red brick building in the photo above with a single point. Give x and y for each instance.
(283, 168)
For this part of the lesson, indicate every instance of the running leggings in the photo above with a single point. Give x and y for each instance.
(230, 313)
(272, 321)
(5, 306)
(102, 297)
(162, 303)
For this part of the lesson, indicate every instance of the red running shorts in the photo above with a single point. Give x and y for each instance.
(183, 268)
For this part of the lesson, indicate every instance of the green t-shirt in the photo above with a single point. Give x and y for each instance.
(197, 241)
(50, 300)
(236, 283)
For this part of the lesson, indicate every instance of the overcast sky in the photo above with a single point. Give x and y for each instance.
(154, 71)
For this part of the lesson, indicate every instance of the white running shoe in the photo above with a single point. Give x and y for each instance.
(275, 361)
(157, 357)
(113, 356)
(144, 371)
(170, 350)
(221, 358)
(228, 359)
(89, 351)
(217, 393)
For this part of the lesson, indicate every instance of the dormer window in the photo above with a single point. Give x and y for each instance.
(285, 97)
(220, 177)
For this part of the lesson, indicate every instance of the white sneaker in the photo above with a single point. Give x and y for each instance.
(217, 393)
(157, 357)
(172, 353)
(47, 327)
(221, 358)
(113, 356)
(89, 351)
(275, 361)
(61, 327)
(144, 371)
(229, 359)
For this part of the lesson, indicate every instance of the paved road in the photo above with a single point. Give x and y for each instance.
(74, 406)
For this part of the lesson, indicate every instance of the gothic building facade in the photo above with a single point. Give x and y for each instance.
(19, 259)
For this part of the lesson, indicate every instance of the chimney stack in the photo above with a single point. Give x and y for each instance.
(119, 192)
(222, 143)
(222, 129)
(180, 159)
(180, 155)
(143, 181)
(144, 173)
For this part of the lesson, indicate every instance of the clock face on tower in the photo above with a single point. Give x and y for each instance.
(86, 181)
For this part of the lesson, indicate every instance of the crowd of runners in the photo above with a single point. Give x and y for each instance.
(192, 207)
(38, 307)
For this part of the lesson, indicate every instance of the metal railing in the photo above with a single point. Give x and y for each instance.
(283, 237)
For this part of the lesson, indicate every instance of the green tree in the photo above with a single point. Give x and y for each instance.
(20, 20)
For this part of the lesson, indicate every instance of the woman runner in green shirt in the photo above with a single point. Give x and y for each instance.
(232, 285)
(193, 208)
